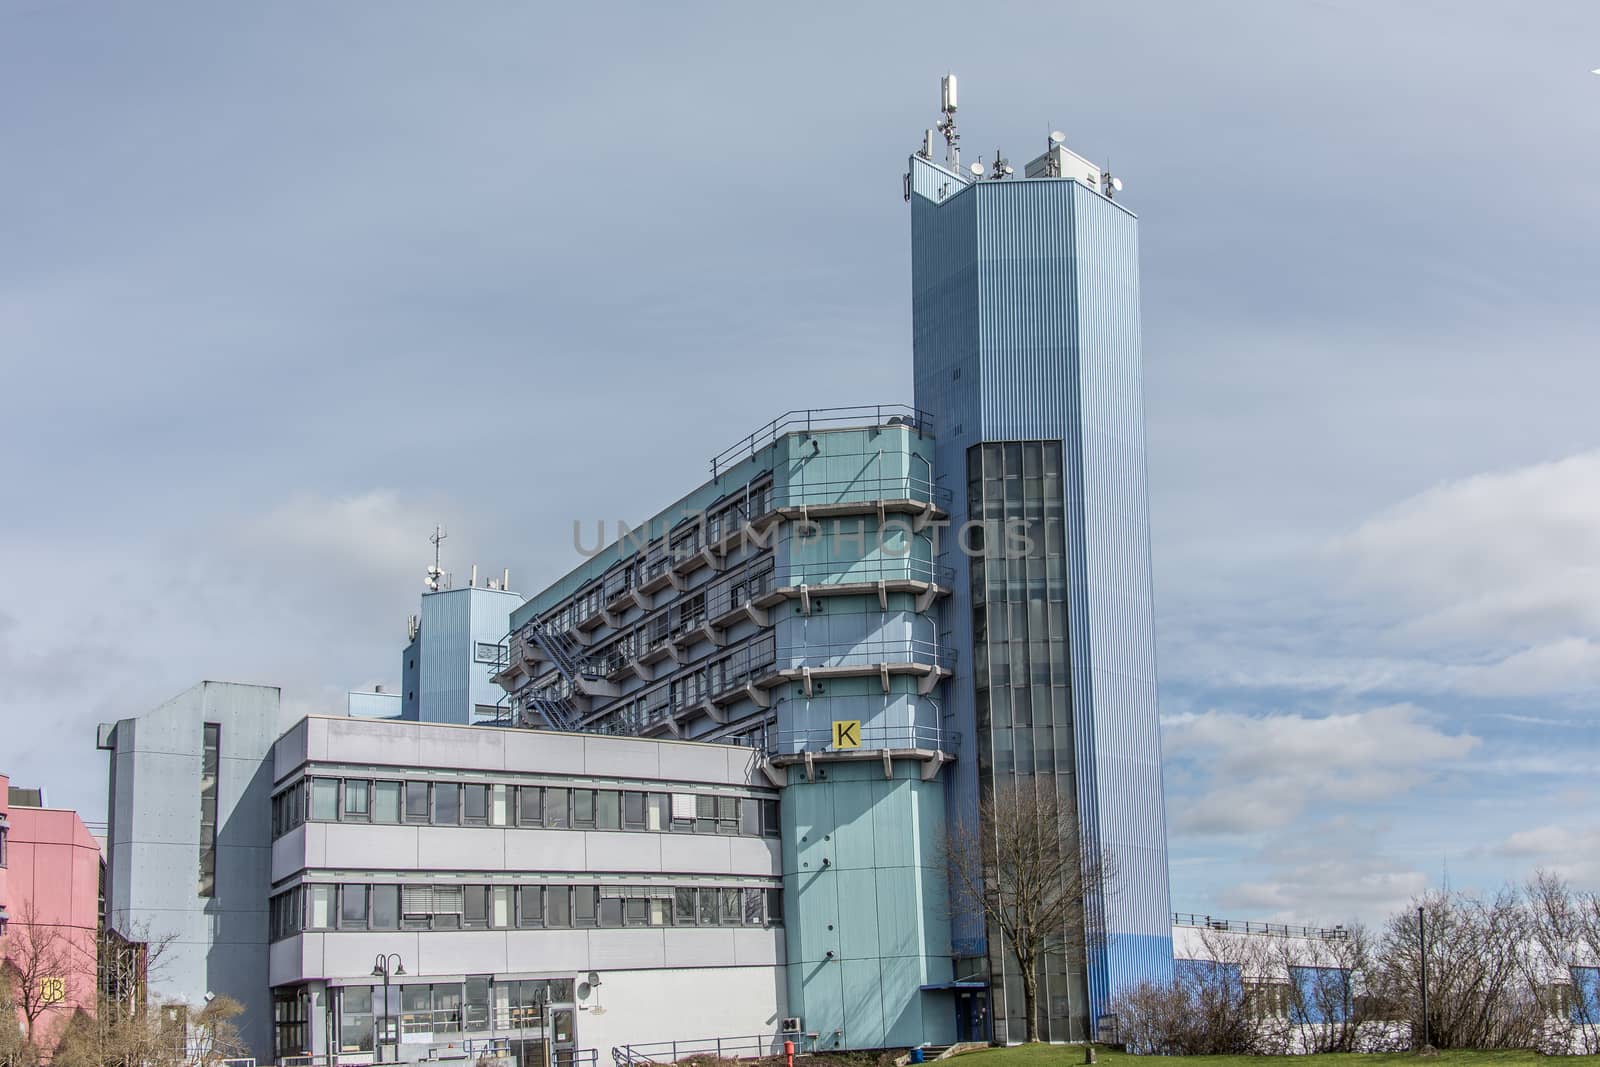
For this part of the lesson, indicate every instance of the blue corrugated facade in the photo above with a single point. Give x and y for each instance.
(1026, 329)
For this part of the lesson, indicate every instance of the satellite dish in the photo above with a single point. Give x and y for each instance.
(1116, 183)
(1057, 137)
(1010, 169)
(977, 168)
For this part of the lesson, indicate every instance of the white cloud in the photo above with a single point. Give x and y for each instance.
(1260, 772)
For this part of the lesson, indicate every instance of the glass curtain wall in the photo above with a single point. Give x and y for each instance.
(1021, 678)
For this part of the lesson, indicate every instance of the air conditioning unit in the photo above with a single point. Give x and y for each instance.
(791, 1026)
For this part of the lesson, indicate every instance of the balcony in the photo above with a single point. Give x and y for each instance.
(922, 579)
(931, 746)
(813, 420)
(930, 663)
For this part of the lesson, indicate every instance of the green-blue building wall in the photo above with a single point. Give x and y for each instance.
(878, 904)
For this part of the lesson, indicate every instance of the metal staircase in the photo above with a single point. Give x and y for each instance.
(557, 705)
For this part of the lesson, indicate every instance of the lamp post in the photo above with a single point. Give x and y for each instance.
(385, 966)
(1422, 947)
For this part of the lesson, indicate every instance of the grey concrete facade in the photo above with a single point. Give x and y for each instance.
(214, 944)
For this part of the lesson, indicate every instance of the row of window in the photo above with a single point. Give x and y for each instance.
(479, 1003)
(364, 800)
(692, 610)
(687, 689)
(434, 906)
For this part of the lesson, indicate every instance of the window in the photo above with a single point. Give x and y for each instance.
(583, 809)
(732, 907)
(708, 907)
(584, 905)
(705, 815)
(476, 1002)
(555, 809)
(683, 912)
(500, 805)
(353, 907)
(752, 907)
(769, 819)
(775, 907)
(727, 815)
(284, 914)
(325, 799)
(386, 802)
(355, 1019)
(557, 907)
(611, 910)
(210, 769)
(291, 1008)
(385, 907)
(319, 906)
(633, 811)
(750, 817)
(3, 831)
(475, 805)
(416, 802)
(607, 811)
(530, 812)
(476, 904)
(636, 911)
(530, 907)
(357, 799)
(446, 804)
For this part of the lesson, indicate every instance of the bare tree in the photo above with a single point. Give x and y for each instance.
(40, 958)
(1478, 993)
(1564, 931)
(1020, 868)
(15, 1049)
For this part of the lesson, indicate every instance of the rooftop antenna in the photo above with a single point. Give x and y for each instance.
(1109, 185)
(1002, 167)
(926, 151)
(1052, 162)
(947, 125)
(435, 572)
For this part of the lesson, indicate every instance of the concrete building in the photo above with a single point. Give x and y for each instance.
(49, 907)
(536, 887)
(454, 644)
(189, 843)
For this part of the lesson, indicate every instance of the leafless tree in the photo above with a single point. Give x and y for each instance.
(1020, 868)
(1564, 934)
(15, 1049)
(1478, 993)
(40, 958)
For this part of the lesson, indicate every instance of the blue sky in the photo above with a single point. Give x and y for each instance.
(282, 286)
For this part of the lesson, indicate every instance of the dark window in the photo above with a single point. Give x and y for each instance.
(610, 911)
(705, 815)
(557, 907)
(583, 809)
(775, 907)
(708, 907)
(291, 1008)
(752, 907)
(769, 819)
(683, 913)
(475, 913)
(353, 907)
(727, 815)
(530, 812)
(416, 802)
(475, 805)
(385, 907)
(584, 905)
(446, 804)
(607, 810)
(636, 911)
(633, 811)
(530, 906)
(210, 770)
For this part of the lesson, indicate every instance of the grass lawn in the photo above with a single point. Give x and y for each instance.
(1070, 1055)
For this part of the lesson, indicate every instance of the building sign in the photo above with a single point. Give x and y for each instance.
(52, 989)
(847, 733)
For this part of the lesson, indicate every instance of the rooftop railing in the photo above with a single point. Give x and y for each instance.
(811, 420)
(871, 738)
(870, 653)
(1236, 926)
(884, 569)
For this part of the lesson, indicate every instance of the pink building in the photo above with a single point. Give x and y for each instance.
(50, 895)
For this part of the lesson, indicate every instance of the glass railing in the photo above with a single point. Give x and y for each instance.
(794, 742)
(883, 569)
(811, 420)
(870, 653)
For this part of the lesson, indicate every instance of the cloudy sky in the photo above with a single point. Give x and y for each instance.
(283, 285)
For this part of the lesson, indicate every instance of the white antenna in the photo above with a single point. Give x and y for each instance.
(977, 168)
(435, 572)
(947, 125)
(927, 145)
(1057, 137)
(1052, 159)
(1002, 167)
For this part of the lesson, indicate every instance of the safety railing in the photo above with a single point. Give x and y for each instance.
(814, 419)
(731, 1048)
(870, 653)
(887, 568)
(864, 489)
(795, 742)
(1236, 926)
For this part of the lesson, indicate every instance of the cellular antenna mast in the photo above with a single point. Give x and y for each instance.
(435, 572)
(947, 125)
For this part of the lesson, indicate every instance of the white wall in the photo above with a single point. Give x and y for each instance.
(643, 1007)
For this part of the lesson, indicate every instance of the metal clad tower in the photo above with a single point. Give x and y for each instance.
(1027, 353)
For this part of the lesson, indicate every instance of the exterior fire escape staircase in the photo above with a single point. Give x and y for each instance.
(557, 704)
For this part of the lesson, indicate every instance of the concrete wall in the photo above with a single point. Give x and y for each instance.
(219, 944)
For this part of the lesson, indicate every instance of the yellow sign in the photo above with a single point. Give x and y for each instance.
(847, 733)
(52, 990)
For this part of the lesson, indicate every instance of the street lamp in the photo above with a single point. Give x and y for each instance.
(385, 966)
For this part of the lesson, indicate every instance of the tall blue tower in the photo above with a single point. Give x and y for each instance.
(1027, 355)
